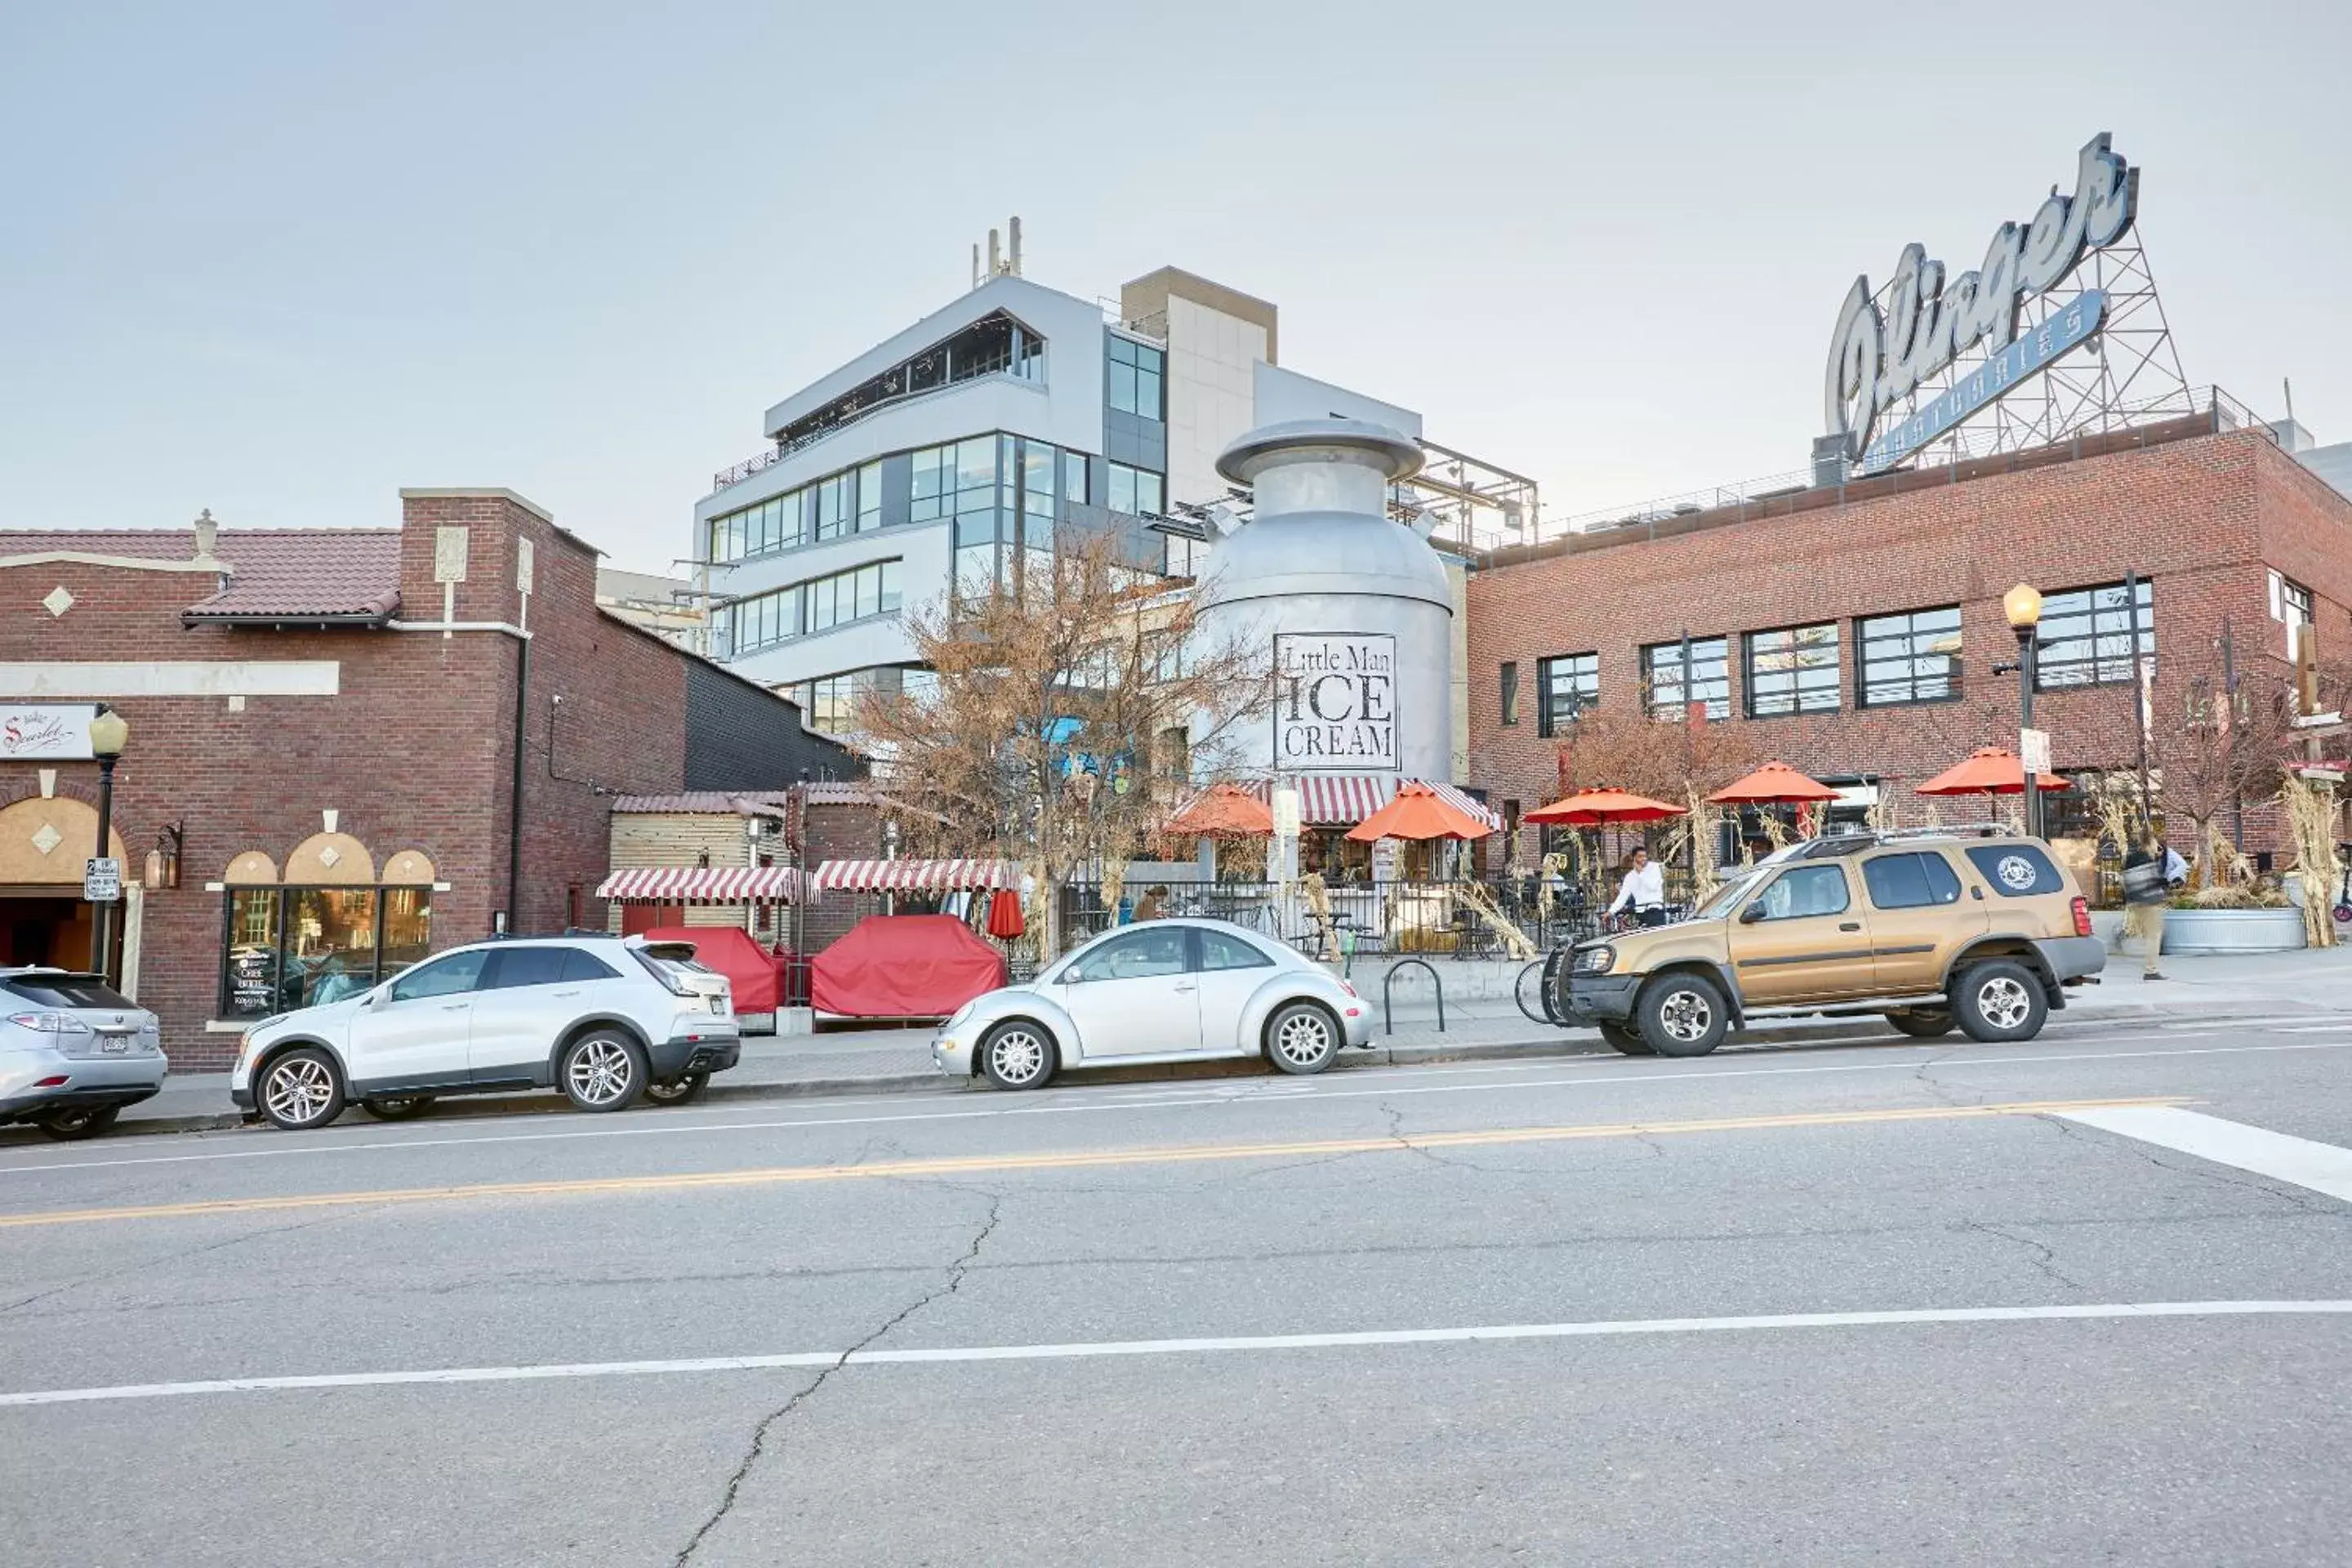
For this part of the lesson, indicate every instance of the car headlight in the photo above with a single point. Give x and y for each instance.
(960, 1014)
(1596, 960)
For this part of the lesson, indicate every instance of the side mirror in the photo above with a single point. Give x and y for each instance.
(1751, 914)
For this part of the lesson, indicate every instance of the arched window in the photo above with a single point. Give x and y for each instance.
(327, 929)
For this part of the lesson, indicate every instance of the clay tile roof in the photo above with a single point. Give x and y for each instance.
(741, 802)
(301, 573)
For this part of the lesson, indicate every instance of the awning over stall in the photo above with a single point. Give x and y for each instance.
(914, 876)
(702, 885)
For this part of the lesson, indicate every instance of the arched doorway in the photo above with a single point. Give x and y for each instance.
(43, 843)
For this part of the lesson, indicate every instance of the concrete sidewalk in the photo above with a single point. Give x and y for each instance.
(1483, 1023)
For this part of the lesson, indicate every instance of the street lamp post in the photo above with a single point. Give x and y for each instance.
(108, 735)
(2022, 606)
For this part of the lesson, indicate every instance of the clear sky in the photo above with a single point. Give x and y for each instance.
(281, 260)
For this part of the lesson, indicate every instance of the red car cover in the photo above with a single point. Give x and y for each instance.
(752, 970)
(904, 966)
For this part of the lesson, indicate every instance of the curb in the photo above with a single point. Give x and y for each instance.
(1562, 1044)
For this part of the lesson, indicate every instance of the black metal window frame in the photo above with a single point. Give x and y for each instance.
(1805, 683)
(1568, 683)
(2085, 637)
(1667, 693)
(281, 895)
(1135, 377)
(1508, 696)
(1895, 661)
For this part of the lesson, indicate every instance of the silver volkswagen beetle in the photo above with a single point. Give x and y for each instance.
(1162, 990)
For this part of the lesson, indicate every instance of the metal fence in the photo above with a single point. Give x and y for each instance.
(1452, 917)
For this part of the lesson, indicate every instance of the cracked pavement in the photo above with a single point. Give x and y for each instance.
(2185, 1440)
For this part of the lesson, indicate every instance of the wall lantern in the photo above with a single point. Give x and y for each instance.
(163, 860)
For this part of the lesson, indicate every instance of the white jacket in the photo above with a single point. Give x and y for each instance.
(1645, 887)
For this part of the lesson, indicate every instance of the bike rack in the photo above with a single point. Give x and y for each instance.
(1548, 989)
(1387, 1010)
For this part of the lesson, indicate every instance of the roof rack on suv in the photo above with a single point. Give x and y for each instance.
(1853, 841)
(570, 932)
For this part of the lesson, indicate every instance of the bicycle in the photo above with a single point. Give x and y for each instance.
(2343, 910)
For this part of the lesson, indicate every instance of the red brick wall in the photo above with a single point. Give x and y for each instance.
(2200, 518)
(414, 753)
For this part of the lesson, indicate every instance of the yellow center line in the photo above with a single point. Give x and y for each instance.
(773, 1175)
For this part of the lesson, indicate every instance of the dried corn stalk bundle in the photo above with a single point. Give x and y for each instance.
(1482, 903)
(2311, 822)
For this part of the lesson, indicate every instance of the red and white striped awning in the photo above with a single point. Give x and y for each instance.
(1343, 800)
(914, 876)
(702, 885)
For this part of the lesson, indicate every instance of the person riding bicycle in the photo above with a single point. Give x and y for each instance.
(1644, 890)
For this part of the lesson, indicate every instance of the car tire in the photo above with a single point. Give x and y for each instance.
(1999, 1000)
(396, 1107)
(1018, 1054)
(678, 1091)
(603, 1070)
(1921, 1025)
(72, 1123)
(1627, 1041)
(1682, 1016)
(300, 1090)
(1301, 1038)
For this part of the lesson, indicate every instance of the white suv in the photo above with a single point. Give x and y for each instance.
(604, 1018)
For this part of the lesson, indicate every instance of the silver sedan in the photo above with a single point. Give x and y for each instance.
(1163, 991)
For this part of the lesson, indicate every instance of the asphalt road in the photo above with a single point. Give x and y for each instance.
(1921, 1304)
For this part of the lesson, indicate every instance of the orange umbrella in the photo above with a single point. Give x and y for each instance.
(1774, 783)
(1989, 769)
(1593, 807)
(1223, 811)
(1418, 811)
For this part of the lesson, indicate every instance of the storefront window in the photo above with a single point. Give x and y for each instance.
(284, 948)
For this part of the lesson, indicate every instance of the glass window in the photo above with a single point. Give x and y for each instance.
(869, 498)
(869, 591)
(1802, 892)
(521, 966)
(1792, 671)
(65, 991)
(578, 965)
(1910, 658)
(407, 927)
(891, 599)
(933, 483)
(454, 975)
(329, 944)
(976, 465)
(1038, 474)
(832, 507)
(1511, 693)
(1219, 951)
(249, 987)
(1136, 491)
(1567, 686)
(1910, 881)
(2086, 635)
(1074, 478)
(1137, 955)
(1671, 689)
(2017, 870)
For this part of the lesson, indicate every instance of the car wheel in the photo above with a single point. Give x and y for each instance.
(70, 1123)
(1301, 1038)
(1629, 1041)
(603, 1070)
(300, 1090)
(1018, 1055)
(396, 1107)
(1682, 1016)
(1921, 1025)
(678, 1091)
(1999, 999)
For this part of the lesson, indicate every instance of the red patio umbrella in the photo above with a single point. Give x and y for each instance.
(1774, 783)
(1597, 807)
(1989, 769)
(1223, 811)
(1004, 923)
(1417, 811)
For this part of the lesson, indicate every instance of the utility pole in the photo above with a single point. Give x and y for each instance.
(2143, 695)
(2230, 716)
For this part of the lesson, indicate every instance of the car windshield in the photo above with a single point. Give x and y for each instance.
(1726, 896)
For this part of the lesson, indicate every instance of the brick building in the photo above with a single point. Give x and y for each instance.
(332, 733)
(1855, 629)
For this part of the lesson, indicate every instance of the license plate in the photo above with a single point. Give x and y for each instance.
(115, 1045)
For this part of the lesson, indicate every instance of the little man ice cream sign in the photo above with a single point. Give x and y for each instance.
(1335, 701)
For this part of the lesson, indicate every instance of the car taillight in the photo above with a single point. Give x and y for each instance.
(50, 1023)
(2082, 917)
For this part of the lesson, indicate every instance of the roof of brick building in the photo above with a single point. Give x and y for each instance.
(307, 574)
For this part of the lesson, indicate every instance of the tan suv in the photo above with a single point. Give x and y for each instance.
(1979, 927)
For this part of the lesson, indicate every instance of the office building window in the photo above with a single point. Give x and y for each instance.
(1074, 478)
(1669, 690)
(833, 504)
(763, 620)
(1510, 691)
(1567, 686)
(1136, 371)
(1794, 671)
(2292, 606)
(869, 498)
(1911, 658)
(1136, 491)
(2086, 634)
(760, 528)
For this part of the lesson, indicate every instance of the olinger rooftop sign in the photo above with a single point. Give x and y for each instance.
(1876, 362)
